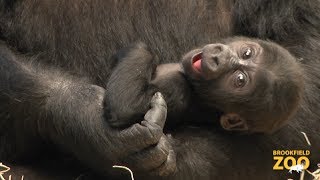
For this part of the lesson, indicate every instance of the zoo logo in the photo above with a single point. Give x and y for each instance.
(289, 159)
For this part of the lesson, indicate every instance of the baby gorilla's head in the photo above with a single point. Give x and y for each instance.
(256, 84)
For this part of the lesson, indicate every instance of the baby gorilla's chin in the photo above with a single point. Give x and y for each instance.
(169, 79)
(165, 71)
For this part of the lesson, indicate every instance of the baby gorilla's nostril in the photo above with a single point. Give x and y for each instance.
(215, 60)
(214, 48)
(217, 49)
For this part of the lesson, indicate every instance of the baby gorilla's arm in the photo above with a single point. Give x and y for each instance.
(134, 81)
(129, 90)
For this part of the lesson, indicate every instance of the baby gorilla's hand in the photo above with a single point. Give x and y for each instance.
(128, 90)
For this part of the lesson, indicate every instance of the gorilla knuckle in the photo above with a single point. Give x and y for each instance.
(170, 166)
(146, 133)
(152, 131)
(154, 157)
(164, 144)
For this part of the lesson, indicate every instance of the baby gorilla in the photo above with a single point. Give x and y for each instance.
(256, 85)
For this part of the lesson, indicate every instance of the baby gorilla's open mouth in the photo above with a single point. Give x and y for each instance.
(196, 62)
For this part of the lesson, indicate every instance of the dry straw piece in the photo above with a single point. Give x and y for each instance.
(4, 169)
(126, 168)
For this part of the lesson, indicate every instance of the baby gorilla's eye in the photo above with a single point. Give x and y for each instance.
(240, 79)
(247, 53)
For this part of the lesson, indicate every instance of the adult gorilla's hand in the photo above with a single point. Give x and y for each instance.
(143, 147)
(153, 151)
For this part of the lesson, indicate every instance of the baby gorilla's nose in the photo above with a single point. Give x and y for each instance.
(213, 53)
(214, 57)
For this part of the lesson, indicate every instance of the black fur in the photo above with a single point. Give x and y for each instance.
(55, 62)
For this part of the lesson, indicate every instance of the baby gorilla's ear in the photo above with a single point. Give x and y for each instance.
(233, 122)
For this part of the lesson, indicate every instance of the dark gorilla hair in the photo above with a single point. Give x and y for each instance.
(55, 62)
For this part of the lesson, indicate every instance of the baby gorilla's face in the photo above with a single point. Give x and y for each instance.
(256, 84)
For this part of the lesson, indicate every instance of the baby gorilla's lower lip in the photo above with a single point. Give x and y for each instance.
(196, 62)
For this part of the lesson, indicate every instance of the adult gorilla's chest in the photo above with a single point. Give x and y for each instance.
(83, 37)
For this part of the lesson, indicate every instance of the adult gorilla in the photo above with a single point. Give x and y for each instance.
(55, 57)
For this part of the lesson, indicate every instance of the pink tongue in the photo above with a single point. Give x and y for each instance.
(197, 65)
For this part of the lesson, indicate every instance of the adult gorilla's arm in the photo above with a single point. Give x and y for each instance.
(39, 104)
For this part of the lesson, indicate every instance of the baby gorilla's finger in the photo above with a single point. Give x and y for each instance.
(158, 112)
(151, 158)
